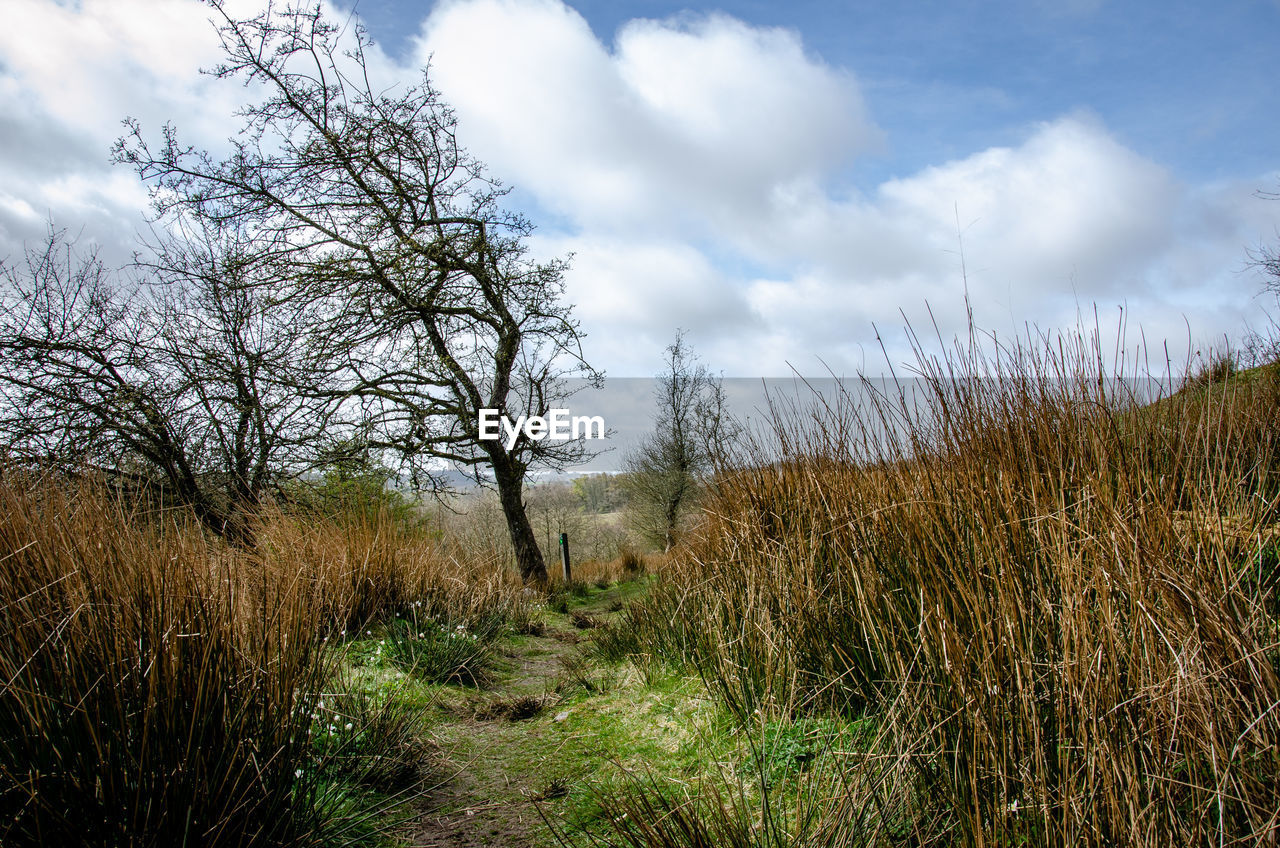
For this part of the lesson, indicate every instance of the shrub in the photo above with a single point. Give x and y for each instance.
(158, 687)
(443, 651)
(632, 563)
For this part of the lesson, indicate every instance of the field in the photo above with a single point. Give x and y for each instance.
(1024, 606)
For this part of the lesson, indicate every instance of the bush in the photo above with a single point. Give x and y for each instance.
(443, 651)
(357, 493)
(367, 738)
(162, 688)
(633, 563)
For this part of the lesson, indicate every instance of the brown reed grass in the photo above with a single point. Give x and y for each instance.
(159, 687)
(1054, 588)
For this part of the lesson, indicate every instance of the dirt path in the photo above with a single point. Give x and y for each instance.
(500, 745)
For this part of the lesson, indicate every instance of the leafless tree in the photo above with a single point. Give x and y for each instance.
(398, 230)
(691, 423)
(1261, 344)
(1267, 260)
(181, 376)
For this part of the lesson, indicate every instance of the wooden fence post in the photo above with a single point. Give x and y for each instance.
(564, 554)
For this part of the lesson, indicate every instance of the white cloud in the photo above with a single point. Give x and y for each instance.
(91, 63)
(684, 125)
(69, 74)
(18, 208)
(1070, 203)
(728, 138)
(628, 292)
(1066, 219)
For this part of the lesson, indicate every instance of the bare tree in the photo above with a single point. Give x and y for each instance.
(555, 507)
(1267, 260)
(1261, 345)
(398, 231)
(665, 471)
(182, 377)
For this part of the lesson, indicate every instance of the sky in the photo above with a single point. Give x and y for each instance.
(789, 183)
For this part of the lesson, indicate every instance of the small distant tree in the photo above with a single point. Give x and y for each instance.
(352, 487)
(555, 509)
(665, 472)
(599, 493)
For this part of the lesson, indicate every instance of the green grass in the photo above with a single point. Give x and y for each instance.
(604, 727)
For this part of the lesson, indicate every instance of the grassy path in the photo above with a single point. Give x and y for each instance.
(547, 723)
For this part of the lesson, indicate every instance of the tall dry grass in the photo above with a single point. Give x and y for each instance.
(152, 692)
(368, 568)
(1058, 598)
(158, 687)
